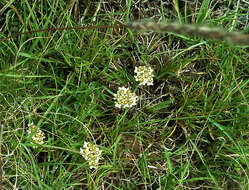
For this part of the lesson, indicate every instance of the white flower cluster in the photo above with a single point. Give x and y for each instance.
(144, 75)
(125, 98)
(91, 153)
(38, 136)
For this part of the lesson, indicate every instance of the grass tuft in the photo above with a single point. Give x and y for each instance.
(187, 130)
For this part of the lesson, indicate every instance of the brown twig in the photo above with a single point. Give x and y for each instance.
(63, 28)
(18, 14)
(235, 38)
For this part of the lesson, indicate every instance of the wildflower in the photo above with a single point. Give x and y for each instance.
(91, 153)
(38, 135)
(125, 98)
(144, 75)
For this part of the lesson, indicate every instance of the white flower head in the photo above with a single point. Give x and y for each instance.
(125, 98)
(91, 153)
(144, 75)
(38, 136)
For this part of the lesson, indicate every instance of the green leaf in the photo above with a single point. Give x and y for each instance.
(160, 106)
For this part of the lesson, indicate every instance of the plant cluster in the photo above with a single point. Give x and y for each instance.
(37, 135)
(99, 119)
(124, 97)
(91, 153)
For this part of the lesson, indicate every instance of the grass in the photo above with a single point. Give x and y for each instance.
(189, 130)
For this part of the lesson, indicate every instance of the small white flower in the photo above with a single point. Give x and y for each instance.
(38, 136)
(91, 153)
(125, 98)
(144, 75)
